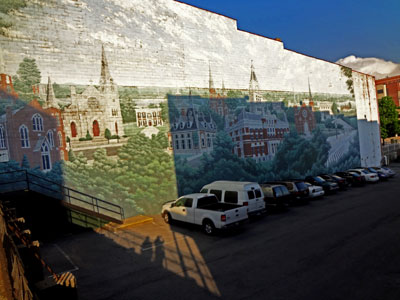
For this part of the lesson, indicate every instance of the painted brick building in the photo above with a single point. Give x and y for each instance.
(256, 135)
(304, 119)
(6, 85)
(31, 131)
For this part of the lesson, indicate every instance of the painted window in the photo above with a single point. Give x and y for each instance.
(24, 136)
(60, 141)
(37, 122)
(46, 161)
(50, 138)
(2, 137)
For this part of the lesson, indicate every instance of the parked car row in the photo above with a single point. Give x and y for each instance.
(223, 204)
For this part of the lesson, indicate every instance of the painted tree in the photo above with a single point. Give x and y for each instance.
(28, 75)
(25, 163)
(107, 134)
(388, 117)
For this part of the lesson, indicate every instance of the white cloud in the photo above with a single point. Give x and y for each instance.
(370, 65)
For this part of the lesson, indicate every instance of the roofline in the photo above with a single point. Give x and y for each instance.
(382, 80)
(205, 10)
(262, 36)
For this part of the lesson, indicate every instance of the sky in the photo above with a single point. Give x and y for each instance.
(324, 29)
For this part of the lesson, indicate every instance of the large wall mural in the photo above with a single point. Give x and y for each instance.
(165, 131)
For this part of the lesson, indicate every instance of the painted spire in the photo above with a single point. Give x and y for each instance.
(309, 89)
(2, 64)
(50, 96)
(253, 86)
(223, 88)
(211, 88)
(105, 77)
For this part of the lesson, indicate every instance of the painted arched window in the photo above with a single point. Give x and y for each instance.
(50, 138)
(46, 161)
(37, 122)
(24, 136)
(96, 128)
(60, 140)
(2, 137)
(73, 130)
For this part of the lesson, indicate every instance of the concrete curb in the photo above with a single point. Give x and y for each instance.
(130, 222)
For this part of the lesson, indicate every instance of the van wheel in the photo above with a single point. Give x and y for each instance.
(208, 227)
(167, 218)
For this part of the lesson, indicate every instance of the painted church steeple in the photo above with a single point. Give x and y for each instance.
(106, 81)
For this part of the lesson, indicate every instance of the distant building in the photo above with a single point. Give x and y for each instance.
(217, 101)
(192, 132)
(304, 119)
(257, 135)
(31, 131)
(6, 85)
(148, 117)
(389, 86)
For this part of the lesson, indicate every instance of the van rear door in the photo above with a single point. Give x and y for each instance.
(255, 199)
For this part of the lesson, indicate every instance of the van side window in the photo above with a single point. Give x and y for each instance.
(258, 193)
(250, 194)
(188, 202)
(217, 193)
(204, 191)
(231, 197)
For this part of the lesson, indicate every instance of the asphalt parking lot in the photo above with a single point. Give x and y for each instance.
(344, 246)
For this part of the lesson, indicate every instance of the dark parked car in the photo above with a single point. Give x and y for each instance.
(297, 189)
(342, 182)
(276, 195)
(352, 178)
(328, 186)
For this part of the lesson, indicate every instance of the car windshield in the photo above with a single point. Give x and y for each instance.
(372, 170)
(301, 185)
(365, 172)
(337, 177)
(318, 179)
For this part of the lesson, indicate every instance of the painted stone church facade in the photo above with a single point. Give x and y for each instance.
(93, 111)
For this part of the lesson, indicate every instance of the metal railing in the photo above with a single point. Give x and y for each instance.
(12, 181)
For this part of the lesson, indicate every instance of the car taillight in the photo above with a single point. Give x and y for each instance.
(246, 203)
(223, 218)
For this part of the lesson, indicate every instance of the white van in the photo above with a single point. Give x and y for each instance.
(248, 194)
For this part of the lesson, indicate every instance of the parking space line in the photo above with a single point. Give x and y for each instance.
(76, 268)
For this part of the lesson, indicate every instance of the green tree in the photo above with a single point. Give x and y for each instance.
(88, 136)
(25, 163)
(28, 75)
(164, 112)
(107, 134)
(388, 117)
(334, 108)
